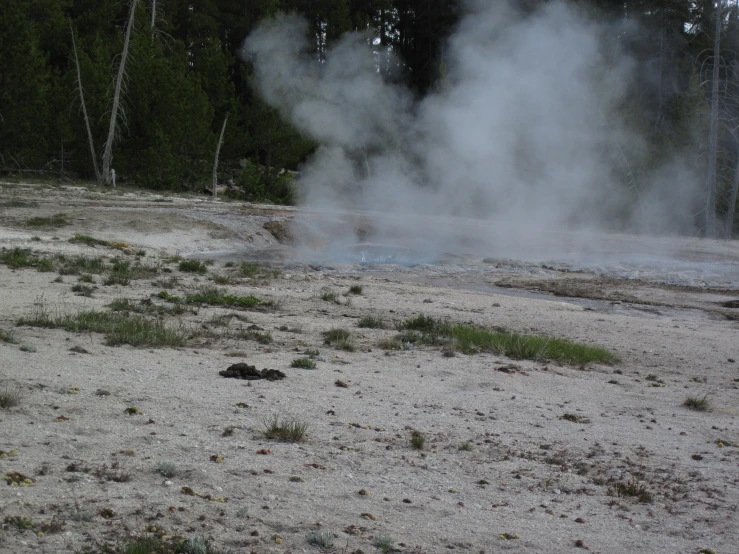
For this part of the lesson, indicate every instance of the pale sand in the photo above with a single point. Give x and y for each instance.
(542, 479)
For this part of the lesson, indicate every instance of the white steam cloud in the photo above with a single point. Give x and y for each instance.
(521, 133)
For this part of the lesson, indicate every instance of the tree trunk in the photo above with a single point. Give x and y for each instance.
(711, 187)
(84, 108)
(732, 204)
(108, 153)
(215, 163)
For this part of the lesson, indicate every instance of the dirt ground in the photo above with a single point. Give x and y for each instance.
(501, 469)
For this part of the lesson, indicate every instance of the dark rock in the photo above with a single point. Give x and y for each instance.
(251, 373)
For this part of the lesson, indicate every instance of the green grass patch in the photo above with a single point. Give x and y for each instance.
(330, 297)
(16, 258)
(632, 488)
(193, 266)
(471, 339)
(290, 429)
(371, 322)
(339, 338)
(88, 240)
(118, 327)
(355, 289)
(75, 265)
(303, 363)
(56, 220)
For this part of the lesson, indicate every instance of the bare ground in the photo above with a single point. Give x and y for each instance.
(501, 469)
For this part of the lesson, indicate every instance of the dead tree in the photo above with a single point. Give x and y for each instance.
(215, 163)
(84, 107)
(108, 152)
(711, 187)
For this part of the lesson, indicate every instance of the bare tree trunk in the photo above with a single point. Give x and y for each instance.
(84, 108)
(732, 204)
(215, 163)
(153, 12)
(710, 217)
(108, 153)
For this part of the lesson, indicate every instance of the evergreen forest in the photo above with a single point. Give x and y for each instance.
(69, 107)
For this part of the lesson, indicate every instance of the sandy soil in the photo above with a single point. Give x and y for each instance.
(524, 480)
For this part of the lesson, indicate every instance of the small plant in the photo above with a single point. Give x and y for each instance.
(371, 322)
(86, 278)
(303, 363)
(286, 429)
(193, 266)
(168, 283)
(330, 297)
(465, 446)
(242, 512)
(19, 522)
(418, 439)
(8, 336)
(166, 469)
(697, 404)
(132, 410)
(633, 488)
(56, 220)
(83, 290)
(250, 269)
(222, 279)
(384, 542)
(28, 347)
(312, 353)
(88, 240)
(217, 297)
(10, 396)
(574, 418)
(339, 338)
(322, 539)
(261, 338)
(355, 289)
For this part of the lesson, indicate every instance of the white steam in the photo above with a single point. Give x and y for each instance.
(520, 134)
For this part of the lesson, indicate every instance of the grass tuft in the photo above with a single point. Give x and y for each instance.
(697, 404)
(289, 429)
(193, 266)
(471, 339)
(303, 363)
(384, 542)
(330, 297)
(217, 297)
(166, 469)
(371, 322)
(633, 488)
(119, 328)
(56, 220)
(418, 439)
(10, 396)
(322, 539)
(355, 289)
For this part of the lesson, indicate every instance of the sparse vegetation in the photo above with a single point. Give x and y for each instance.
(166, 469)
(371, 322)
(632, 488)
(289, 429)
(339, 338)
(193, 266)
(465, 446)
(312, 353)
(217, 297)
(698, 404)
(83, 290)
(384, 542)
(88, 240)
(471, 339)
(574, 418)
(355, 289)
(330, 297)
(10, 396)
(322, 539)
(418, 439)
(303, 363)
(56, 220)
(118, 328)
(8, 336)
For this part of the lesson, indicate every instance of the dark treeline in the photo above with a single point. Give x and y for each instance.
(183, 76)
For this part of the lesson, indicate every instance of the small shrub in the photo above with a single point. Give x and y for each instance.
(261, 338)
(250, 269)
(384, 542)
(169, 283)
(418, 439)
(16, 258)
(371, 322)
(303, 363)
(465, 446)
(166, 469)
(355, 289)
(222, 279)
(574, 418)
(312, 353)
(217, 297)
(10, 396)
(289, 429)
(86, 278)
(83, 290)
(336, 335)
(633, 488)
(322, 539)
(193, 266)
(330, 297)
(8, 336)
(697, 404)
(88, 240)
